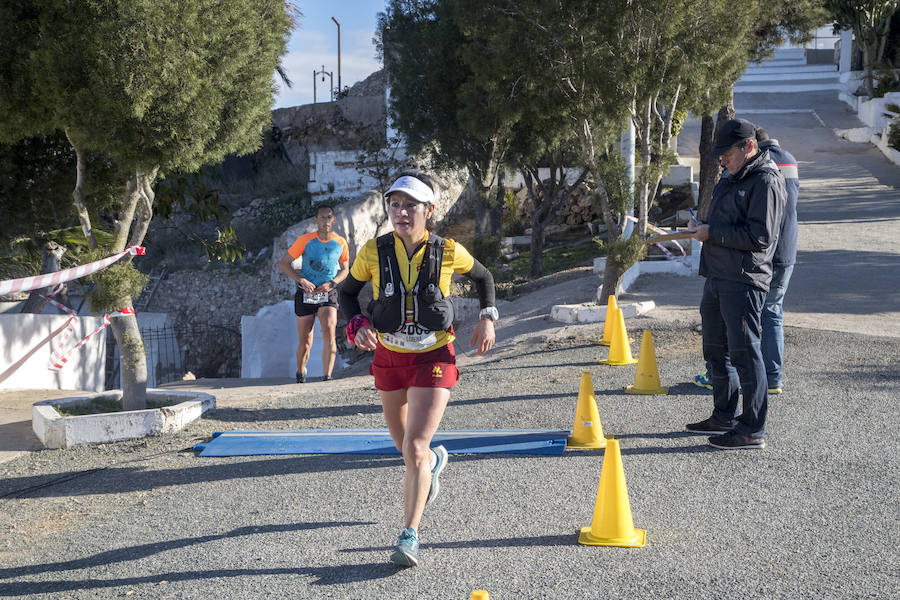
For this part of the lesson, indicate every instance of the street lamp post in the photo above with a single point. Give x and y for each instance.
(339, 88)
(323, 72)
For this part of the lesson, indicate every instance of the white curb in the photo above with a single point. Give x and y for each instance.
(56, 431)
(596, 313)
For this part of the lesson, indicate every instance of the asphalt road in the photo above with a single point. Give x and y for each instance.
(813, 515)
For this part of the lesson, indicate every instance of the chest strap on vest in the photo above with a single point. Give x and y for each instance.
(431, 310)
(390, 279)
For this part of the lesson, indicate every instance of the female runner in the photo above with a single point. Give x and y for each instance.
(411, 332)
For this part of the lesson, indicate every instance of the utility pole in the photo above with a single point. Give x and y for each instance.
(339, 88)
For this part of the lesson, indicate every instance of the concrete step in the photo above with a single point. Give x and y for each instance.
(818, 76)
(785, 63)
(786, 87)
(760, 69)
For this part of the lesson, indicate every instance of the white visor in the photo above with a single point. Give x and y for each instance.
(416, 189)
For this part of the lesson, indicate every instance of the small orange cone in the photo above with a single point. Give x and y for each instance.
(480, 595)
(620, 350)
(646, 378)
(587, 432)
(608, 322)
(612, 524)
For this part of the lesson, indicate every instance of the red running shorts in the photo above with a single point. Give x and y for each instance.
(401, 370)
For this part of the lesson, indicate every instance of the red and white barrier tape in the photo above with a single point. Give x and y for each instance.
(26, 284)
(59, 357)
(656, 229)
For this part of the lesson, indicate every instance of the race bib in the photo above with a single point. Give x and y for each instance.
(410, 337)
(316, 298)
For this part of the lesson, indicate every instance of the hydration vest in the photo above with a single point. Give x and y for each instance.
(431, 310)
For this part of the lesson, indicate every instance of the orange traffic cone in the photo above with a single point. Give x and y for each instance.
(587, 432)
(480, 595)
(608, 322)
(619, 351)
(612, 524)
(646, 378)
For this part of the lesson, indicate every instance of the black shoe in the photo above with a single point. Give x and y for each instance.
(327, 378)
(733, 440)
(301, 377)
(708, 427)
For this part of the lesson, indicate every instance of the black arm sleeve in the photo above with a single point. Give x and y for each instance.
(348, 296)
(484, 283)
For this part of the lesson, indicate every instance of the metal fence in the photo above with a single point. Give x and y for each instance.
(204, 350)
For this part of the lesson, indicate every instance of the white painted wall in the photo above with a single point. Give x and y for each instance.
(339, 168)
(269, 344)
(20, 333)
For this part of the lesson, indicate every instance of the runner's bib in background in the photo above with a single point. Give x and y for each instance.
(315, 298)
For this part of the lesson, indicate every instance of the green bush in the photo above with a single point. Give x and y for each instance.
(283, 212)
(487, 250)
(893, 134)
(115, 283)
(887, 80)
(511, 217)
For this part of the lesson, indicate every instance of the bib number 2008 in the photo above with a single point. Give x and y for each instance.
(410, 337)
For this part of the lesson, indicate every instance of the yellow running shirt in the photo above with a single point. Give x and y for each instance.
(456, 260)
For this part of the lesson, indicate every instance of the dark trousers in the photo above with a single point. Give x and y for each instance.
(731, 347)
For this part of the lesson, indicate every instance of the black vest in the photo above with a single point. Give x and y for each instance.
(430, 309)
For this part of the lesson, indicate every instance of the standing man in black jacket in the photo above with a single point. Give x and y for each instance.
(740, 235)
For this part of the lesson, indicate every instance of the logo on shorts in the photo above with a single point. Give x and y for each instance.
(436, 372)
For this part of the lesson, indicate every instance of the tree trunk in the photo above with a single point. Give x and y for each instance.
(642, 183)
(122, 226)
(709, 164)
(536, 264)
(483, 209)
(78, 195)
(612, 275)
(867, 66)
(51, 252)
(133, 359)
(144, 212)
(496, 212)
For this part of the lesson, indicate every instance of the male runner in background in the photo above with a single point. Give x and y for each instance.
(325, 260)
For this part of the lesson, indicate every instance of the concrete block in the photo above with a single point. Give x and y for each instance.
(516, 241)
(679, 175)
(564, 313)
(592, 313)
(635, 309)
(595, 313)
(857, 135)
(679, 266)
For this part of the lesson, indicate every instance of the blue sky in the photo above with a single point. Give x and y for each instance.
(314, 43)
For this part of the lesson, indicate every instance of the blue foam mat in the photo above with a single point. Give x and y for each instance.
(378, 441)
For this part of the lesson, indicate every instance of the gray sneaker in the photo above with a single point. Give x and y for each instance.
(441, 453)
(406, 554)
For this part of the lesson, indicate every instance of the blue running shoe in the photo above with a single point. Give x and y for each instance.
(406, 554)
(440, 463)
(702, 380)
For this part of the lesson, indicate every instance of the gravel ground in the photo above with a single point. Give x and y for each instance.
(813, 515)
